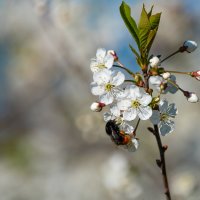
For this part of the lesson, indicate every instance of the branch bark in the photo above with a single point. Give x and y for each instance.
(161, 163)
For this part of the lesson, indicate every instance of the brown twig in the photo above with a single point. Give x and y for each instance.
(161, 162)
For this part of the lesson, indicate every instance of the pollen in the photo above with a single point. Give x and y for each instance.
(135, 104)
(101, 66)
(108, 87)
(164, 117)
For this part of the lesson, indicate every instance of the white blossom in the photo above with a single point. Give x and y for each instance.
(102, 61)
(135, 103)
(154, 62)
(157, 81)
(163, 117)
(106, 85)
(190, 46)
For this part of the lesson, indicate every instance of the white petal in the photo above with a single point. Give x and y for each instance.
(193, 98)
(124, 104)
(163, 105)
(109, 60)
(172, 110)
(130, 114)
(173, 78)
(117, 78)
(134, 92)
(94, 66)
(102, 77)
(155, 117)
(156, 80)
(119, 93)
(101, 53)
(107, 116)
(166, 128)
(170, 87)
(145, 99)
(127, 128)
(144, 113)
(106, 98)
(115, 110)
(133, 145)
(97, 90)
(166, 75)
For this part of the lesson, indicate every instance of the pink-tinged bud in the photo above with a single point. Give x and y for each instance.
(190, 46)
(97, 106)
(196, 75)
(166, 75)
(113, 53)
(191, 97)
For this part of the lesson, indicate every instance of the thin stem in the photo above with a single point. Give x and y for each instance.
(178, 51)
(177, 72)
(136, 127)
(162, 163)
(132, 81)
(175, 85)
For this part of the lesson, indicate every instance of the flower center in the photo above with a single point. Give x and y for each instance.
(108, 87)
(101, 66)
(164, 117)
(135, 104)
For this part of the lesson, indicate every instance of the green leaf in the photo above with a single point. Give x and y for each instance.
(143, 35)
(134, 51)
(144, 20)
(129, 21)
(150, 39)
(150, 12)
(155, 20)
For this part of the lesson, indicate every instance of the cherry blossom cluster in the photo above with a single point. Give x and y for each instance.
(132, 100)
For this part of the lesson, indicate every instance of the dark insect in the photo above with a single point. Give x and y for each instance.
(117, 136)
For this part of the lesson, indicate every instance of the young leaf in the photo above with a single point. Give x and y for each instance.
(150, 39)
(143, 35)
(150, 12)
(144, 20)
(129, 21)
(155, 20)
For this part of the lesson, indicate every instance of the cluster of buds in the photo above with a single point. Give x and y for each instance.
(130, 101)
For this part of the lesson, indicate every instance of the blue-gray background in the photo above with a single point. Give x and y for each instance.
(52, 147)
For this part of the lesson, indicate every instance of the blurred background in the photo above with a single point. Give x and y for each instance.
(52, 147)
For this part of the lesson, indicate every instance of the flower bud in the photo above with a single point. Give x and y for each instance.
(190, 46)
(154, 62)
(113, 53)
(196, 75)
(166, 75)
(191, 97)
(97, 106)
